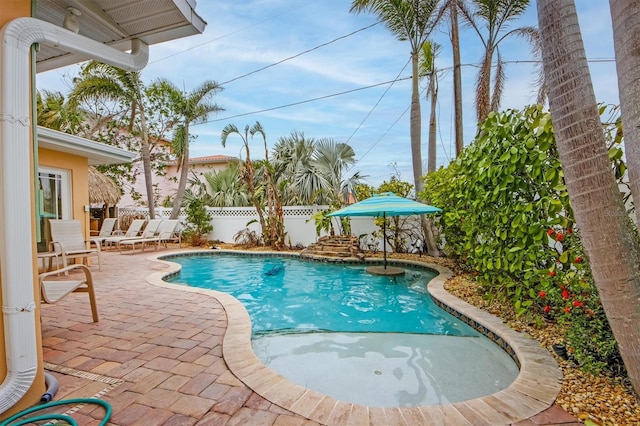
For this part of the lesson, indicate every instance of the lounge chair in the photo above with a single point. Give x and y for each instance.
(132, 232)
(67, 240)
(106, 230)
(53, 290)
(166, 232)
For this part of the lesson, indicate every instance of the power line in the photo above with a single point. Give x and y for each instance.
(301, 53)
(379, 100)
(305, 101)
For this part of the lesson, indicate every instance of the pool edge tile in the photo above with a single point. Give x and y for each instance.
(536, 364)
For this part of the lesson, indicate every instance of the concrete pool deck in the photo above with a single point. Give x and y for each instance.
(169, 354)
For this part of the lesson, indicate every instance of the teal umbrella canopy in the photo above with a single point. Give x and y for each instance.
(384, 205)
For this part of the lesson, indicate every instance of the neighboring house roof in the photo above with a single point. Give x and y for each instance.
(209, 159)
(115, 23)
(97, 153)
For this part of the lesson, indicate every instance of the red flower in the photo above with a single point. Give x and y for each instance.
(550, 232)
(567, 309)
(570, 231)
(547, 309)
(552, 273)
(559, 236)
(578, 303)
(542, 293)
(565, 294)
(578, 259)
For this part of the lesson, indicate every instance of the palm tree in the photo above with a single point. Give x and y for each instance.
(607, 233)
(312, 172)
(189, 108)
(626, 37)
(427, 68)
(457, 76)
(222, 188)
(247, 172)
(490, 19)
(54, 113)
(100, 81)
(413, 21)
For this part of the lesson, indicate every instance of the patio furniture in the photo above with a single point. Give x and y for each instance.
(48, 257)
(67, 239)
(167, 231)
(132, 232)
(53, 290)
(106, 230)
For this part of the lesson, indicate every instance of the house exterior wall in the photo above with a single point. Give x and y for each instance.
(79, 170)
(10, 10)
(166, 185)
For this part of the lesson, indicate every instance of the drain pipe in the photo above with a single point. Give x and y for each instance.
(16, 211)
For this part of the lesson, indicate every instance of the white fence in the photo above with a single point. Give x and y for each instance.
(227, 221)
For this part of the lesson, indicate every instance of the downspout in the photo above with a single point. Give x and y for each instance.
(16, 211)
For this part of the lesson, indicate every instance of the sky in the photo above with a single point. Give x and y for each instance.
(338, 84)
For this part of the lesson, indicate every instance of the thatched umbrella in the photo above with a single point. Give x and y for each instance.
(102, 190)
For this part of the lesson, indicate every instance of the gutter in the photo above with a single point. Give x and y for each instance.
(16, 212)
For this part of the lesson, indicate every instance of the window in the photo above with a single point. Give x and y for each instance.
(54, 201)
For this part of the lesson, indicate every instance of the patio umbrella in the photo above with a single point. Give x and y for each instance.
(385, 205)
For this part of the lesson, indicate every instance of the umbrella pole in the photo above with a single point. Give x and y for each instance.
(384, 238)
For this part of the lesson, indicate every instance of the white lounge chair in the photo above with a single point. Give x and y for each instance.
(166, 232)
(132, 232)
(67, 240)
(106, 230)
(53, 290)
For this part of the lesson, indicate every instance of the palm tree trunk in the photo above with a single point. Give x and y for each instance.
(431, 162)
(182, 184)
(605, 229)
(184, 175)
(416, 126)
(626, 36)
(457, 78)
(146, 163)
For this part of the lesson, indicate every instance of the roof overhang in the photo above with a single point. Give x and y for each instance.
(116, 22)
(97, 153)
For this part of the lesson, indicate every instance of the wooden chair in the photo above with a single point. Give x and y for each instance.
(53, 290)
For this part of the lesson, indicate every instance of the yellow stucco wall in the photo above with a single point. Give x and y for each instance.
(79, 170)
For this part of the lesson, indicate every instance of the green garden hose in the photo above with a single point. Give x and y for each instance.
(53, 416)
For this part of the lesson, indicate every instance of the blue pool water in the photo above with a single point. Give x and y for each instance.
(284, 294)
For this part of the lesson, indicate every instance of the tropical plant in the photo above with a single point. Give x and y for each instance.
(412, 21)
(98, 81)
(198, 224)
(609, 239)
(490, 20)
(310, 171)
(222, 188)
(272, 227)
(186, 108)
(54, 113)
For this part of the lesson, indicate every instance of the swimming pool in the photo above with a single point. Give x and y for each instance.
(287, 295)
(373, 340)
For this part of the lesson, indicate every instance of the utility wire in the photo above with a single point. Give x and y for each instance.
(301, 53)
(379, 100)
(305, 101)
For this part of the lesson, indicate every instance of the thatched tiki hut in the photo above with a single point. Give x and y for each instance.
(102, 190)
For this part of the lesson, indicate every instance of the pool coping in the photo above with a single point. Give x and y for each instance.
(534, 390)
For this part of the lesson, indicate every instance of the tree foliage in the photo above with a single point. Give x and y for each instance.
(508, 219)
